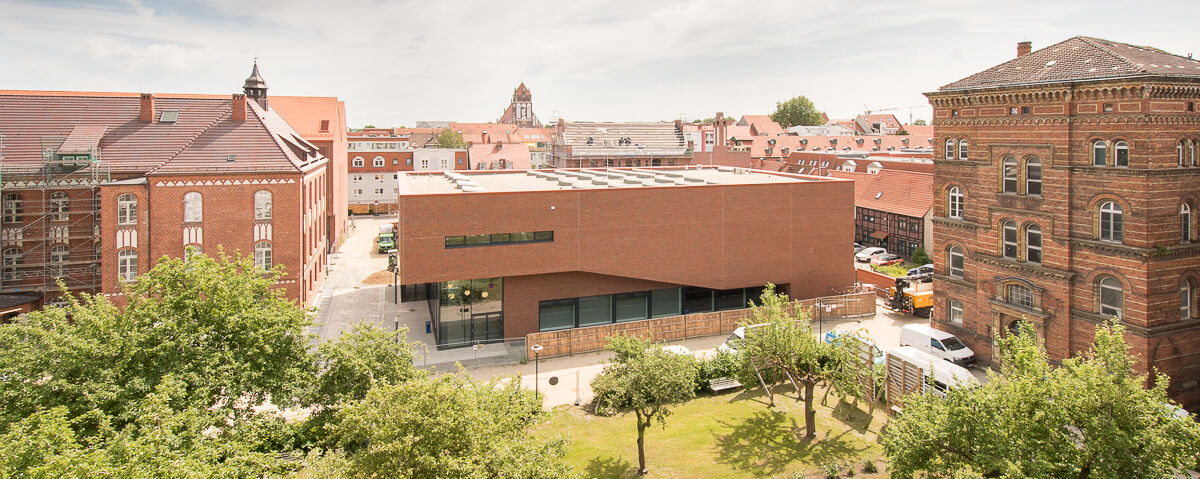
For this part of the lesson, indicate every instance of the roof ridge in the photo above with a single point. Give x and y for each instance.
(1098, 43)
(199, 133)
(276, 138)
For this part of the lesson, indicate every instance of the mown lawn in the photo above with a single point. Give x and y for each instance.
(733, 435)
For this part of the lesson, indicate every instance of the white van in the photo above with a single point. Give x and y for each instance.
(938, 343)
(911, 370)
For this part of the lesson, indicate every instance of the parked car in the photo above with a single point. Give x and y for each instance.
(866, 254)
(734, 341)
(876, 353)
(677, 349)
(923, 269)
(858, 247)
(886, 259)
(938, 343)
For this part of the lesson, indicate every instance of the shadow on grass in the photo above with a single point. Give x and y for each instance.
(853, 415)
(768, 442)
(609, 468)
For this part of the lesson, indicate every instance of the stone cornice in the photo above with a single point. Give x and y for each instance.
(1105, 247)
(1022, 267)
(1018, 311)
(1146, 332)
(1129, 171)
(956, 223)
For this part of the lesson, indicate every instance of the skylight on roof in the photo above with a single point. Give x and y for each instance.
(169, 116)
(877, 195)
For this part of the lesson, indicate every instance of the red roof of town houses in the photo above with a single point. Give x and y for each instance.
(901, 192)
(762, 125)
(485, 156)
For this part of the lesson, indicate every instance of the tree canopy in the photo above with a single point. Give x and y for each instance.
(450, 139)
(919, 122)
(797, 111)
(647, 380)
(1091, 417)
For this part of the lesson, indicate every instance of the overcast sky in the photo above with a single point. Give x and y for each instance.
(615, 60)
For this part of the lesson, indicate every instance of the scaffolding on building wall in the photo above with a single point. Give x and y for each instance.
(50, 218)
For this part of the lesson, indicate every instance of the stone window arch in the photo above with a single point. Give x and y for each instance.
(1185, 223)
(962, 149)
(1018, 294)
(949, 149)
(1120, 153)
(1008, 239)
(193, 207)
(955, 203)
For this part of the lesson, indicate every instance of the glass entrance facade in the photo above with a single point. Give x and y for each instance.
(569, 313)
(468, 311)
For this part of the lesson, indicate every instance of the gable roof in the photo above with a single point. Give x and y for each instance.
(1080, 59)
(901, 192)
(515, 156)
(306, 115)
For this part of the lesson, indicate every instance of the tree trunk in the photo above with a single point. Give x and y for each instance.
(641, 444)
(810, 414)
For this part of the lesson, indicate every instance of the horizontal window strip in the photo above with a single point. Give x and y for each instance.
(498, 239)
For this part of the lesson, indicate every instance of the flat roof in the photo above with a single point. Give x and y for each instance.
(485, 181)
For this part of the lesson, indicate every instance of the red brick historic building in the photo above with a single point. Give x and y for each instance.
(1067, 183)
(97, 186)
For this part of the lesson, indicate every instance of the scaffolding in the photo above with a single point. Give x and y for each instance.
(50, 217)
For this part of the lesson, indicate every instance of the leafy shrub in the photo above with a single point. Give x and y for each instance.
(894, 270)
(869, 466)
(831, 468)
(920, 257)
(723, 365)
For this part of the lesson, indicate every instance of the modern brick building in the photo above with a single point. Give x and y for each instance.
(97, 186)
(1067, 181)
(506, 253)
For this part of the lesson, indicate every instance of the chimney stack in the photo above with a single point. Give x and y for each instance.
(1023, 48)
(239, 107)
(146, 112)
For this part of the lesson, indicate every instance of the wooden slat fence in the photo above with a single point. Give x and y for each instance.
(594, 338)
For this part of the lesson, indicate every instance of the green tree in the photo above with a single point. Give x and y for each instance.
(450, 139)
(447, 426)
(368, 126)
(797, 111)
(644, 378)
(920, 257)
(359, 359)
(1091, 417)
(783, 349)
(216, 324)
(919, 122)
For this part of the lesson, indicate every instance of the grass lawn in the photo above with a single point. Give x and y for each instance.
(733, 435)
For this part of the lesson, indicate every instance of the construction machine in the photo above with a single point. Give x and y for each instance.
(912, 295)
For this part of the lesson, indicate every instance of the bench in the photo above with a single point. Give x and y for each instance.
(721, 384)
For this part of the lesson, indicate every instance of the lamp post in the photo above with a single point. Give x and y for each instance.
(537, 349)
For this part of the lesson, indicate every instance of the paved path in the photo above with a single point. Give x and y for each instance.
(344, 300)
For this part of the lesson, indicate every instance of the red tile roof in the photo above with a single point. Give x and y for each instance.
(901, 192)
(306, 114)
(762, 125)
(515, 156)
(1080, 59)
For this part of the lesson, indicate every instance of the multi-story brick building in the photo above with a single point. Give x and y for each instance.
(520, 110)
(322, 122)
(893, 209)
(376, 156)
(544, 250)
(97, 186)
(1067, 179)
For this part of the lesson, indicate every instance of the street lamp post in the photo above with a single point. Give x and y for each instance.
(537, 349)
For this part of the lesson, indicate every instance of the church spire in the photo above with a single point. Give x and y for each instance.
(256, 87)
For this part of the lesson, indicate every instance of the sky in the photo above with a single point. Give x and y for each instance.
(397, 62)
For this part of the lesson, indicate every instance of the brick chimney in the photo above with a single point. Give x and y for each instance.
(1023, 48)
(484, 137)
(239, 107)
(146, 112)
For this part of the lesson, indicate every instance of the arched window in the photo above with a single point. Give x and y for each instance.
(949, 149)
(126, 209)
(1185, 299)
(262, 255)
(357, 162)
(1009, 230)
(58, 206)
(962, 149)
(1122, 156)
(1010, 175)
(12, 208)
(954, 205)
(126, 265)
(58, 259)
(1033, 177)
(955, 260)
(1185, 223)
(1033, 244)
(262, 205)
(12, 258)
(1099, 153)
(193, 208)
(1019, 295)
(377, 162)
(1112, 296)
(1191, 152)
(1111, 221)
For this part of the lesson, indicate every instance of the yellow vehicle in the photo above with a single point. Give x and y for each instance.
(912, 295)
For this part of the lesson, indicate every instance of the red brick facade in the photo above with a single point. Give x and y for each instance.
(1058, 124)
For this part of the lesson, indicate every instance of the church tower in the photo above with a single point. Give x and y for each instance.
(256, 87)
(520, 111)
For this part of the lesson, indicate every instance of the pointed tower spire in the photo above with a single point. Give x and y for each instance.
(256, 87)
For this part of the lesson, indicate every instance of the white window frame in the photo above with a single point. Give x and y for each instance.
(263, 255)
(59, 204)
(950, 149)
(1121, 153)
(193, 207)
(263, 203)
(1112, 215)
(357, 162)
(126, 265)
(1114, 285)
(1185, 299)
(1031, 178)
(962, 149)
(952, 253)
(1009, 175)
(1099, 153)
(126, 209)
(955, 206)
(1018, 294)
(1009, 240)
(377, 162)
(1033, 248)
(955, 308)
(1185, 223)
